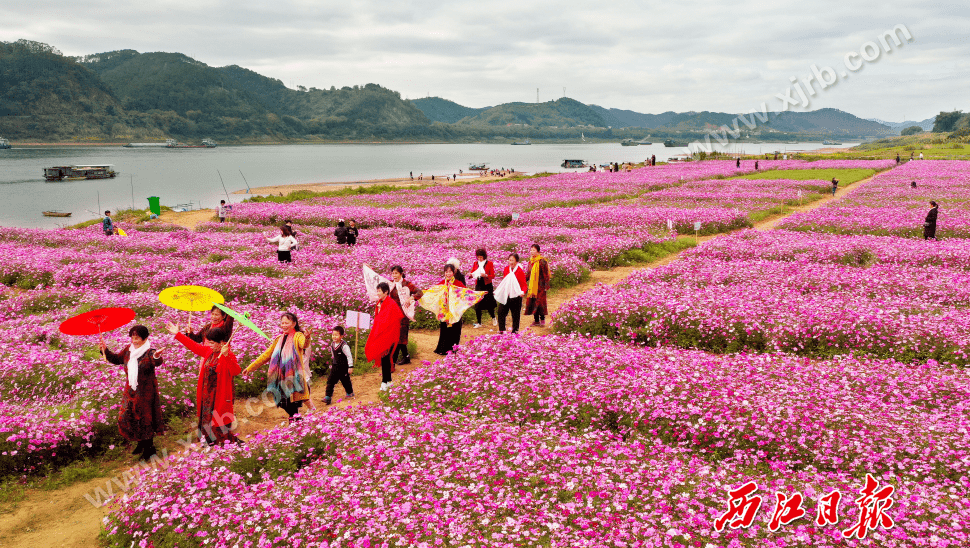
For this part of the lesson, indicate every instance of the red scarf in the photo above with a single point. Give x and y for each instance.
(386, 331)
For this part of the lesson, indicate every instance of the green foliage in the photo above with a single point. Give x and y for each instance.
(947, 121)
(364, 189)
(845, 176)
(911, 130)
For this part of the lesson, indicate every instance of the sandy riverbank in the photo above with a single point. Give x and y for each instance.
(402, 182)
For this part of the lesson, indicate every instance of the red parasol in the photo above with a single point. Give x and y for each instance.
(97, 321)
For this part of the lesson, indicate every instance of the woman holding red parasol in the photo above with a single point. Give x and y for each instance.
(141, 410)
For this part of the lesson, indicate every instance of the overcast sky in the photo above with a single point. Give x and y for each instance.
(647, 56)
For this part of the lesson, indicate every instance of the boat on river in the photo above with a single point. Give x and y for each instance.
(526, 142)
(80, 173)
(478, 167)
(172, 143)
(629, 143)
(56, 213)
(672, 143)
(4, 144)
(574, 164)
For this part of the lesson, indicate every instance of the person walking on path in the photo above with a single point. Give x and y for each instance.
(214, 394)
(140, 418)
(286, 378)
(835, 185)
(342, 366)
(107, 226)
(538, 280)
(929, 225)
(406, 294)
(285, 242)
(483, 271)
(897, 158)
(341, 232)
(738, 165)
(385, 334)
(509, 293)
(352, 233)
(920, 155)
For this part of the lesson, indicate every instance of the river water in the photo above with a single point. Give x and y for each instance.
(191, 176)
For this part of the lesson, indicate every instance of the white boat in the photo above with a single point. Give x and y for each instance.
(4, 144)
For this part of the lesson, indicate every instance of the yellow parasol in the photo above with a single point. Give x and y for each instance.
(193, 298)
(121, 232)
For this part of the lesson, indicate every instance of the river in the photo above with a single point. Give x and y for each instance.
(191, 176)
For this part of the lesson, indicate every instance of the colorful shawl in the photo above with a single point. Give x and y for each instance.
(285, 375)
(448, 302)
(534, 270)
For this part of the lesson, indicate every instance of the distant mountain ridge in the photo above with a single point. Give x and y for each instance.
(926, 124)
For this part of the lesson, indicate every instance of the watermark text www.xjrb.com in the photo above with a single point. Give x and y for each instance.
(801, 90)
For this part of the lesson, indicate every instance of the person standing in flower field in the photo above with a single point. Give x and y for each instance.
(352, 233)
(285, 243)
(214, 393)
(286, 378)
(538, 279)
(342, 366)
(385, 334)
(929, 225)
(398, 285)
(340, 232)
(509, 293)
(224, 211)
(141, 408)
(107, 226)
(448, 305)
(459, 275)
(835, 185)
(483, 271)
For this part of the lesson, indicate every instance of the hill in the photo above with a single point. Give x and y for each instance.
(926, 124)
(443, 110)
(627, 118)
(196, 100)
(828, 121)
(560, 113)
(46, 96)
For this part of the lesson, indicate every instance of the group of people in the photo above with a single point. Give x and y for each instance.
(287, 379)
(346, 233)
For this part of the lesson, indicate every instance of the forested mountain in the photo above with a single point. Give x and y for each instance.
(46, 95)
(127, 95)
(926, 124)
(443, 110)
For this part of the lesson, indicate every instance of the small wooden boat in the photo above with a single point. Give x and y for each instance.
(57, 214)
(478, 167)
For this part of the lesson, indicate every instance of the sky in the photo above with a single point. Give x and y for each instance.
(646, 56)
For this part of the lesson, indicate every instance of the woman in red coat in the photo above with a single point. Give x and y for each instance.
(214, 393)
(141, 408)
(385, 334)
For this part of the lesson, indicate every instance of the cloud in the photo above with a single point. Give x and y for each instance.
(648, 56)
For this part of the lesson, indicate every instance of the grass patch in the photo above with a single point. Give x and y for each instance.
(365, 189)
(656, 251)
(845, 176)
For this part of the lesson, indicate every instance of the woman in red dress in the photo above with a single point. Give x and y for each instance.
(217, 318)
(214, 394)
(141, 408)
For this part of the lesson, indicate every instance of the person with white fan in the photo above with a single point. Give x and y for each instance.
(483, 272)
(509, 293)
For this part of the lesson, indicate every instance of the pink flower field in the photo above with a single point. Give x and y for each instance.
(808, 359)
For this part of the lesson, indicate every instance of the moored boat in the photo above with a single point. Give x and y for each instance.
(672, 143)
(80, 173)
(478, 167)
(629, 143)
(56, 213)
(574, 164)
(4, 144)
(526, 142)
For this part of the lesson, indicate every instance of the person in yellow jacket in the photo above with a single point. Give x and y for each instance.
(287, 378)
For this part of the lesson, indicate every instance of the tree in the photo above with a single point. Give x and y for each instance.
(945, 121)
(912, 130)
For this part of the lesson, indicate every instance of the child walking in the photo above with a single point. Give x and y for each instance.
(342, 365)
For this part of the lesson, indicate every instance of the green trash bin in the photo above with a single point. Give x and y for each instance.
(154, 206)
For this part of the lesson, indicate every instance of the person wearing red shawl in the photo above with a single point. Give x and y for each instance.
(217, 318)
(538, 285)
(398, 281)
(483, 271)
(512, 304)
(141, 409)
(214, 393)
(384, 334)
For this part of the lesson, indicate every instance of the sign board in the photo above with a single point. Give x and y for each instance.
(670, 224)
(799, 194)
(515, 216)
(697, 226)
(358, 319)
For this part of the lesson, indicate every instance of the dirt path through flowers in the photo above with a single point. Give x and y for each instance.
(66, 518)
